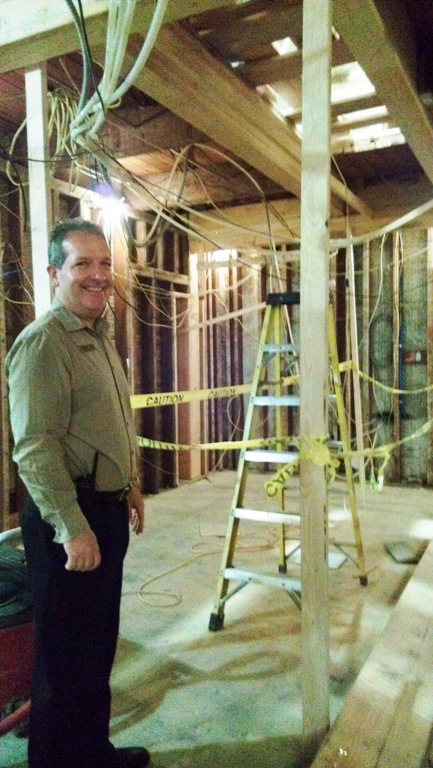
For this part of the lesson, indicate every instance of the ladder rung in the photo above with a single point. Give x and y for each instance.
(276, 400)
(273, 457)
(275, 348)
(263, 516)
(333, 444)
(271, 579)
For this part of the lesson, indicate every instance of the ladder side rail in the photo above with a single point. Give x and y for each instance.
(336, 378)
(217, 616)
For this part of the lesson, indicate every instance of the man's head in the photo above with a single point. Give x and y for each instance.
(60, 232)
(80, 268)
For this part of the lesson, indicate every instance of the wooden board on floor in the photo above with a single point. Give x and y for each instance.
(387, 716)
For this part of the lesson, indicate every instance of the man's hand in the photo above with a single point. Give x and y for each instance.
(136, 509)
(83, 552)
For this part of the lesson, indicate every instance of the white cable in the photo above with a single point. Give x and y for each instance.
(120, 17)
(148, 44)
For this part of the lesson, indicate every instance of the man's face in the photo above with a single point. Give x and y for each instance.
(85, 281)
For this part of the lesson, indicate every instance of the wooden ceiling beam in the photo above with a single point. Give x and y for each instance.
(384, 47)
(183, 76)
(31, 32)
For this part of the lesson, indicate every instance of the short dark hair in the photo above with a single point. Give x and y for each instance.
(59, 233)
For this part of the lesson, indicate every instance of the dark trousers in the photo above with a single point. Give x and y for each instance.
(76, 627)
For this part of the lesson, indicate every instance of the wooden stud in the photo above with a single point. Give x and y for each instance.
(430, 350)
(354, 355)
(315, 203)
(396, 322)
(365, 350)
(4, 410)
(39, 183)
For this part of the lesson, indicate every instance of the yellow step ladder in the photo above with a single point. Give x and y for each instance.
(270, 389)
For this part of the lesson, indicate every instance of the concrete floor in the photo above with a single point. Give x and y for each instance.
(232, 699)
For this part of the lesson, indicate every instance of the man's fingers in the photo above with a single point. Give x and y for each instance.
(83, 552)
(82, 564)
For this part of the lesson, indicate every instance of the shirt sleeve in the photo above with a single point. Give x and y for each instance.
(40, 396)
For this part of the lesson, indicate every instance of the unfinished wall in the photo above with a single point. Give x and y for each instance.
(393, 282)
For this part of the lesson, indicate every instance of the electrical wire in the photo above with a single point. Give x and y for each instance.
(171, 598)
(90, 116)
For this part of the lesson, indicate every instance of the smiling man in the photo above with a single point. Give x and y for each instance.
(76, 450)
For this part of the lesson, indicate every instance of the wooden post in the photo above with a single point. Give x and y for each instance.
(39, 183)
(4, 418)
(365, 353)
(430, 350)
(315, 204)
(396, 322)
(354, 355)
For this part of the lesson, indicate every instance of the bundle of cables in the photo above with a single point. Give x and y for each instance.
(91, 114)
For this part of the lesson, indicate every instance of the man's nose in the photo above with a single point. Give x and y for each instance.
(99, 272)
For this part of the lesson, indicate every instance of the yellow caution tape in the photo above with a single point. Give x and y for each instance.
(350, 365)
(276, 483)
(187, 396)
(310, 448)
(258, 442)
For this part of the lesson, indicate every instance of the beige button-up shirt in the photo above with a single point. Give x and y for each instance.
(69, 399)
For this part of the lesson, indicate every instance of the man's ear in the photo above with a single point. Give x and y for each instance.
(52, 271)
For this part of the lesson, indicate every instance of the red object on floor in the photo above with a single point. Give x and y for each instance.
(16, 658)
(15, 719)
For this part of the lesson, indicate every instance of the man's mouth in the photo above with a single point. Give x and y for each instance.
(94, 289)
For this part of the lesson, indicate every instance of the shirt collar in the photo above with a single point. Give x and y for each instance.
(71, 321)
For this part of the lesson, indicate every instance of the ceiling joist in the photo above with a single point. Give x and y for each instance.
(34, 32)
(385, 50)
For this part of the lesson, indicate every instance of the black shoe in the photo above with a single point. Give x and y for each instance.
(132, 757)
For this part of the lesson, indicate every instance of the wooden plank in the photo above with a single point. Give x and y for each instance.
(183, 76)
(387, 715)
(31, 32)
(39, 183)
(315, 202)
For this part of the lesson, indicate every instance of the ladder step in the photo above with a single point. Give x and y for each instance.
(262, 516)
(276, 400)
(273, 457)
(260, 577)
(274, 348)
